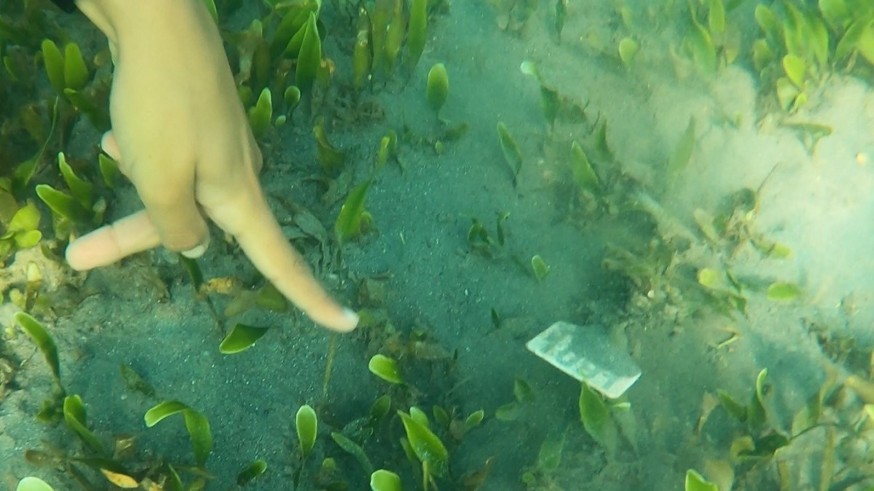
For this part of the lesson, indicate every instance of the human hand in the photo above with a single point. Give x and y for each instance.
(180, 134)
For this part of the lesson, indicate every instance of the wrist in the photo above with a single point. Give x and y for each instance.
(124, 18)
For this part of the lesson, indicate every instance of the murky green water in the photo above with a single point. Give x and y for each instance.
(693, 180)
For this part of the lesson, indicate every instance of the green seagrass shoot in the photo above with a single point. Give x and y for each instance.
(437, 89)
(597, 420)
(474, 419)
(560, 17)
(353, 449)
(388, 148)
(74, 417)
(426, 446)
(383, 480)
(696, 482)
(582, 170)
(288, 34)
(108, 169)
(77, 206)
(65, 70)
(510, 149)
(628, 49)
(482, 242)
(353, 219)
(52, 408)
(682, 154)
(306, 424)
(330, 157)
(267, 297)
(262, 113)
(523, 396)
(33, 484)
(251, 471)
(68, 74)
(291, 97)
(385, 368)
(309, 58)
(394, 35)
(380, 16)
(416, 33)
(241, 338)
(699, 44)
(550, 100)
(379, 409)
(783, 291)
(22, 229)
(43, 340)
(539, 268)
(361, 55)
(195, 422)
(547, 463)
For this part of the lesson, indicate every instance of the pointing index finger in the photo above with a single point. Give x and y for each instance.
(262, 240)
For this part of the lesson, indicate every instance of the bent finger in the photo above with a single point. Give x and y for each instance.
(168, 193)
(108, 244)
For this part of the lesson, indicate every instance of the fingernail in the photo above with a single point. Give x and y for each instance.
(195, 252)
(351, 316)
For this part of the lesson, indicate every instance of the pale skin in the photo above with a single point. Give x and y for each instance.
(180, 134)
